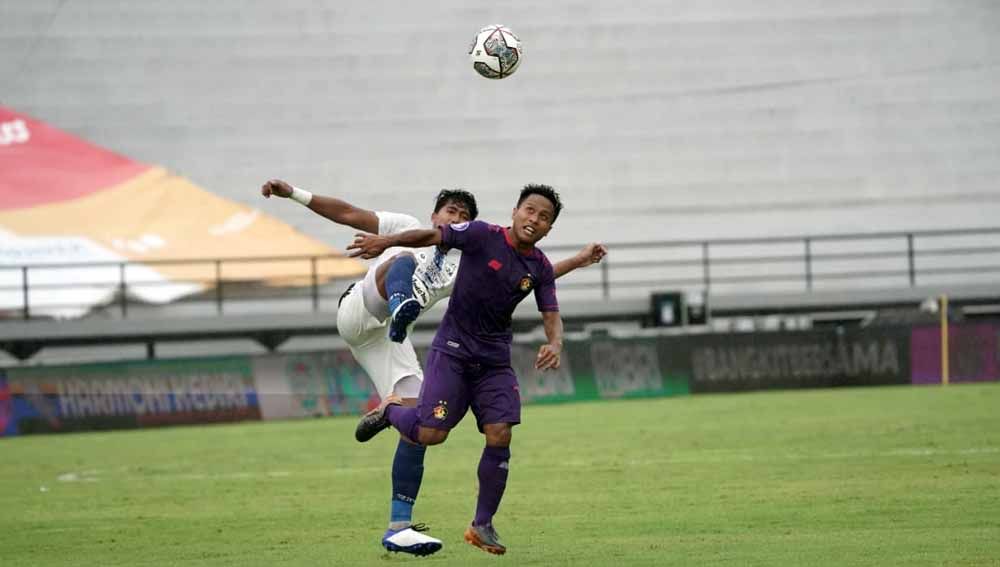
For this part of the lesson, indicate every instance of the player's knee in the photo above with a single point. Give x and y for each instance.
(498, 434)
(404, 261)
(399, 278)
(429, 436)
(400, 266)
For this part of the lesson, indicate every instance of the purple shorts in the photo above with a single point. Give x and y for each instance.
(452, 385)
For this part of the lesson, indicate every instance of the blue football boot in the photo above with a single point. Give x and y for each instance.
(403, 313)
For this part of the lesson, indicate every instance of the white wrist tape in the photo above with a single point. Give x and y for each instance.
(301, 195)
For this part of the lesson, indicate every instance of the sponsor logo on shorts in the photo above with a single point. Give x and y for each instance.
(527, 282)
(453, 344)
(440, 410)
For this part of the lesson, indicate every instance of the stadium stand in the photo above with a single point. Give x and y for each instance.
(666, 120)
(659, 121)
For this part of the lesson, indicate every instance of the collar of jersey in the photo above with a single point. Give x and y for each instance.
(510, 243)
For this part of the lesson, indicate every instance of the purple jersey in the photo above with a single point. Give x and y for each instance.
(493, 277)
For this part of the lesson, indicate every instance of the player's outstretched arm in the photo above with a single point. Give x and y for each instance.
(340, 212)
(369, 246)
(549, 354)
(589, 254)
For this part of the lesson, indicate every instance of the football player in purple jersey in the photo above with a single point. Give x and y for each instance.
(468, 365)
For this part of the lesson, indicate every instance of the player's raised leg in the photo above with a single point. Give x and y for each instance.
(403, 307)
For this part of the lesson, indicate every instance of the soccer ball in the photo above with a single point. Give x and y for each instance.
(495, 52)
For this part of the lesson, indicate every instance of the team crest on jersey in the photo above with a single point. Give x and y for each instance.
(441, 410)
(526, 283)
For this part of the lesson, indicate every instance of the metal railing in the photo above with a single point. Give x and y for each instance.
(214, 286)
(801, 263)
(783, 263)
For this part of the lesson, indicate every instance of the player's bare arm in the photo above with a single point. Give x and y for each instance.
(549, 354)
(337, 210)
(368, 246)
(588, 255)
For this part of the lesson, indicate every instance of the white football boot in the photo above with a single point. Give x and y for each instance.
(411, 540)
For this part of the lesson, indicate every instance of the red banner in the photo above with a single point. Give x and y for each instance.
(42, 165)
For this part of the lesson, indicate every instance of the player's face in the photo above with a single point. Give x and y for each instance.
(452, 212)
(532, 219)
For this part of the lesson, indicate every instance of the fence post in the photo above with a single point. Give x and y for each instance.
(24, 292)
(706, 270)
(122, 289)
(218, 286)
(809, 274)
(909, 254)
(315, 285)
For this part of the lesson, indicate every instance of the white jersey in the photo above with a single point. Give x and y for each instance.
(433, 278)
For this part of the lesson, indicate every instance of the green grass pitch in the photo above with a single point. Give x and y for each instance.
(869, 476)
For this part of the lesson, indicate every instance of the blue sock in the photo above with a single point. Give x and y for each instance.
(407, 472)
(399, 280)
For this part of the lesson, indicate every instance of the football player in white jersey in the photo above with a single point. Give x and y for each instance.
(374, 314)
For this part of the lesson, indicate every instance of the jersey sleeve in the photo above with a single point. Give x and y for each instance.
(545, 291)
(392, 223)
(465, 236)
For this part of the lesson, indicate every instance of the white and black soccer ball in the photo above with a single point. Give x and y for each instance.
(495, 52)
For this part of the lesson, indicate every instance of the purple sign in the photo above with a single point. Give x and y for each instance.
(972, 354)
(6, 407)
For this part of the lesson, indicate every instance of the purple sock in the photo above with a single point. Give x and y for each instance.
(492, 482)
(405, 420)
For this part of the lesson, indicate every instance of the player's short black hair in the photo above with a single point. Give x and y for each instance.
(460, 196)
(545, 191)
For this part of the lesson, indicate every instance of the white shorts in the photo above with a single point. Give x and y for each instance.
(385, 362)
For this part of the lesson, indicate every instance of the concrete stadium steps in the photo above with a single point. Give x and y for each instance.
(657, 120)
